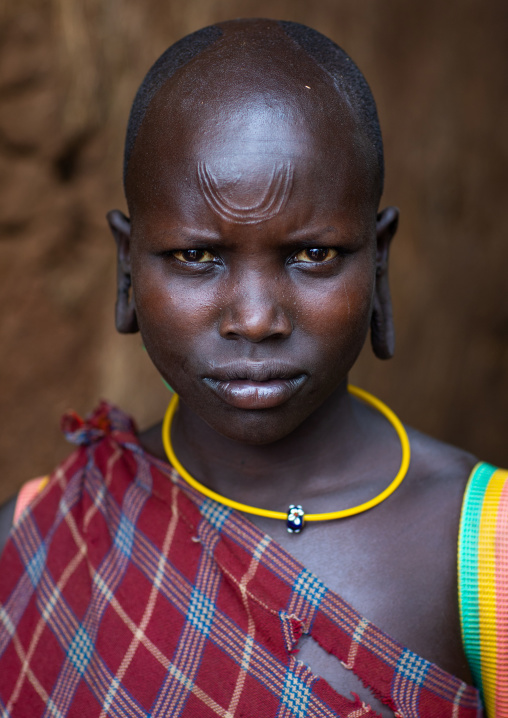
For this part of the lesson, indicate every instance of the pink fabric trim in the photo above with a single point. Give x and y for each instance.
(502, 605)
(27, 494)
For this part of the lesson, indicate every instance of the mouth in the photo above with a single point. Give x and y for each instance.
(255, 385)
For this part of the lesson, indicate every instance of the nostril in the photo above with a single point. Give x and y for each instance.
(255, 323)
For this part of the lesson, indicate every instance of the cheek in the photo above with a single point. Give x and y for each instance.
(174, 322)
(339, 314)
(180, 325)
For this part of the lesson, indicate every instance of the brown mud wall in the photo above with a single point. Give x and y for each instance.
(68, 72)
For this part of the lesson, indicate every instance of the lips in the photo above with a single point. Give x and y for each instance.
(255, 385)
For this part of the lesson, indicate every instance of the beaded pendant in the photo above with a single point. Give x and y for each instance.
(296, 519)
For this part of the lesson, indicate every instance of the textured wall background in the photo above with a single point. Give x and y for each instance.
(68, 72)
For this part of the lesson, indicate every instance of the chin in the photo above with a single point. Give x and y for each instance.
(257, 428)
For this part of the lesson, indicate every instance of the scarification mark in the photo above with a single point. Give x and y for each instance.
(271, 202)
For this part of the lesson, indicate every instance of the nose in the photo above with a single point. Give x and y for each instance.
(254, 311)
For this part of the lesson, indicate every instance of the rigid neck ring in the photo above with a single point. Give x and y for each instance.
(295, 516)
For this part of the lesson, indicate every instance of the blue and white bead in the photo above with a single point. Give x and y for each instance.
(295, 520)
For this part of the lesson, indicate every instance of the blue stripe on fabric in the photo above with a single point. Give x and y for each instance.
(80, 650)
(295, 695)
(124, 536)
(35, 566)
(200, 612)
(310, 587)
(468, 566)
(53, 709)
(215, 513)
(412, 667)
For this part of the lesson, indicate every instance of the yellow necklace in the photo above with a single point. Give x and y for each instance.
(295, 516)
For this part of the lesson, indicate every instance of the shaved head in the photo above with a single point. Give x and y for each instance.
(253, 178)
(257, 74)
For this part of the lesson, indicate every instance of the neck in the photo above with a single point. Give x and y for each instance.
(334, 450)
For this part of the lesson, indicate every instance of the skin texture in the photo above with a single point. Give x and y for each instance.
(254, 263)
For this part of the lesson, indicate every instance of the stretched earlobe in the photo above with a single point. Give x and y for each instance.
(125, 308)
(126, 321)
(382, 331)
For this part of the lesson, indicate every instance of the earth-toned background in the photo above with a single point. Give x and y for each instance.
(68, 73)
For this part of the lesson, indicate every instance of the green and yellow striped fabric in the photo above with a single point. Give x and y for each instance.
(483, 584)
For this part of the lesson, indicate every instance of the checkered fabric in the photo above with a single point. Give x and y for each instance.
(123, 592)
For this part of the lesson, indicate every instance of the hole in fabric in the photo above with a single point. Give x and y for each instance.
(341, 679)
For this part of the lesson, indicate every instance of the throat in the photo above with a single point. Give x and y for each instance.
(313, 466)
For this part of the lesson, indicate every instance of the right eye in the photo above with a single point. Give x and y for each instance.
(193, 256)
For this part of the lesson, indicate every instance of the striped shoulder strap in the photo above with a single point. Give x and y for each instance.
(483, 584)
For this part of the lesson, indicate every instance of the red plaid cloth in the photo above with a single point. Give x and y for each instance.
(126, 593)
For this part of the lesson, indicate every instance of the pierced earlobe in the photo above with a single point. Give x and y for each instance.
(125, 309)
(382, 332)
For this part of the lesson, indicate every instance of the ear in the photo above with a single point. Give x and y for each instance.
(381, 325)
(125, 309)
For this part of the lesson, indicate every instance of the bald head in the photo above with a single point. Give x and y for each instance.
(258, 76)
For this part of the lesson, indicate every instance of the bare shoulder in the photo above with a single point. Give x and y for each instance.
(438, 477)
(427, 516)
(439, 464)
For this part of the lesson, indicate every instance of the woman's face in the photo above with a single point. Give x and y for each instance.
(253, 256)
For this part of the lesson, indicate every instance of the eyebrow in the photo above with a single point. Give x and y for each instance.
(328, 235)
(312, 236)
(311, 233)
(183, 234)
(298, 236)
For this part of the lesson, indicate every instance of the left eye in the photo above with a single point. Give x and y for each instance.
(316, 254)
(193, 255)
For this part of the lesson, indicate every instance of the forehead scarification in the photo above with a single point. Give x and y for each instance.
(271, 201)
(252, 72)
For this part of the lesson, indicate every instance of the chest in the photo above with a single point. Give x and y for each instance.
(397, 568)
